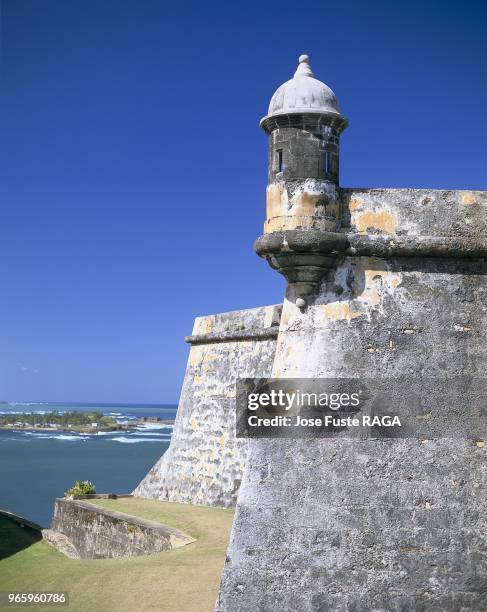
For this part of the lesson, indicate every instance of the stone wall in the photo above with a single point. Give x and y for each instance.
(204, 462)
(396, 525)
(415, 212)
(100, 533)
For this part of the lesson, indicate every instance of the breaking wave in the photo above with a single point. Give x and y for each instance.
(125, 440)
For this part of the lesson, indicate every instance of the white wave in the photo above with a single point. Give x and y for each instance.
(28, 433)
(63, 437)
(25, 411)
(28, 403)
(48, 436)
(152, 433)
(126, 440)
(46, 433)
(150, 426)
(12, 412)
(105, 433)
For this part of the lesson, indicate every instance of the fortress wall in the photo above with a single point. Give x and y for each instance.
(204, 462)
(84, 531)
(415, 212)
(352, 525)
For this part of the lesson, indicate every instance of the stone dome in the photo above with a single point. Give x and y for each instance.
(303, 93)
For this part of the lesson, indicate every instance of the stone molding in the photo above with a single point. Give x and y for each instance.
(262, 334)
(369, 245)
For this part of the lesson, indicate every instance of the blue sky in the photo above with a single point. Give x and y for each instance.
(133, 170)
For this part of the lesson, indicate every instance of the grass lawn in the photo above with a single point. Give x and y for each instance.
(181, 580)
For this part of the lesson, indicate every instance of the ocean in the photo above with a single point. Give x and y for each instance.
(37, 466)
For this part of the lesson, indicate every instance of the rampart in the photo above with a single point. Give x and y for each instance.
(100, 533)
(204, 463)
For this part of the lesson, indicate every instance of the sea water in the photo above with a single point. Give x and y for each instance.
(38, 466)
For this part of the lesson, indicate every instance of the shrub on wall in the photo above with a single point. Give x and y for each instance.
(81, 487)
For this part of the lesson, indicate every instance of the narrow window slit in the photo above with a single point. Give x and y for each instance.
(327, 162)
(279, 160)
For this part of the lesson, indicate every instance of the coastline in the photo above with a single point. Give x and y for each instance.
(122, 427)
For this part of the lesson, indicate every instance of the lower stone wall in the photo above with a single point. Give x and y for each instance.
(204, 462)
(347, 525)
(99, 533)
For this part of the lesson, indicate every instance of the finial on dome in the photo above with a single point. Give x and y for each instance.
(304, 69)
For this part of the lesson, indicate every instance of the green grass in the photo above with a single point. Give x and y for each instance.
(180, 580)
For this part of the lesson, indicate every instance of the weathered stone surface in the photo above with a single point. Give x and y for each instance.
(386, 525)
(204, 462)
(100, 533)
(61, 543)
(415, 212)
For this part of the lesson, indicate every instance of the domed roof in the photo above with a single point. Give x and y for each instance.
(303, 93)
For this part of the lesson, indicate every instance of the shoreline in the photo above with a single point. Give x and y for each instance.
(128, 428)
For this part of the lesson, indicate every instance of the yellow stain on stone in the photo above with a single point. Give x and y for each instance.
(383, 220)
(371, 293)
(195, 355)
(221, 441)
(355, 204)
(291, 222)
(339, 311)
(376, 281)
(277, 200)
(285, 317)
(468, 199)
(377, 284)
(299, 211)
(278, 204)
(205, 325)
(194, 424)
(304, 204)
